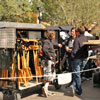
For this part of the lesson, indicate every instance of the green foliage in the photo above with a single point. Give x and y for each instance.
(51, 11)
(14, 10)
(1, 10)
(54, 12)
(72, 12)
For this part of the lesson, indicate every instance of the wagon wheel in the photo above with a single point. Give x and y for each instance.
(17, 96)
(1, 96)
(96, 79)
(57, 86)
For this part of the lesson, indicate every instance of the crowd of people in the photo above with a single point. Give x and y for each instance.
(76, 51)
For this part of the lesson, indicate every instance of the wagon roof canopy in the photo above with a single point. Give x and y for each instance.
(65, 28)
(56, 28)
(21, 25)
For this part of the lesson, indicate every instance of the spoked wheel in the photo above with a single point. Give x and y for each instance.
(1, 96)
(57, 86)
(96, 79)
(17, 96)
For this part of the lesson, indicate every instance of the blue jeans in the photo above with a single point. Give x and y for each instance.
(70, 62)
(76, 76)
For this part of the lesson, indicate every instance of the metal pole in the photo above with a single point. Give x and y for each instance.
(39, 14)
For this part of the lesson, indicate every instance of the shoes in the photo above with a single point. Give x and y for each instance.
(47, 93)
(50, 93)
(68, 85)
(88, 79)
(44, 92)
(72, 91)
(79, 95)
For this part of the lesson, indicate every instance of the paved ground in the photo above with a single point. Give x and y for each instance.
(89, 93)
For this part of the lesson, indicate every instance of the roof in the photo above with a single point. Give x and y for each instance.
(21, 25)
(53, 28)
(65, 28)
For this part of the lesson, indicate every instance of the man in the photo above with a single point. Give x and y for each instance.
(49, 61)
(69, 46)
(79, 53)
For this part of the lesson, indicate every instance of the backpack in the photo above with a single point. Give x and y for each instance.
(40, 51)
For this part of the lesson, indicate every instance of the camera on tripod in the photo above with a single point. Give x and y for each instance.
(64, 37)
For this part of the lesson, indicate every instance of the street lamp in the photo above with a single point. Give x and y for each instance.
(39, 14)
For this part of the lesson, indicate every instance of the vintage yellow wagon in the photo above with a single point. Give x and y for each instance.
(19, 61)
(20, 64)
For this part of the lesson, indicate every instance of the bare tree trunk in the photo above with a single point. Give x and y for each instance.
(63, 9)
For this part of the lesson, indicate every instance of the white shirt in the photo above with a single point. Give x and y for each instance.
(87, 33)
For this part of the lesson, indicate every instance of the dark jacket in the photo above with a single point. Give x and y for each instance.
(48, 49)
(79, 50)
(70, 42)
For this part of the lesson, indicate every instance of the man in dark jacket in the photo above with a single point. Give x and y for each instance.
(69, 46)
(48, 61)
(79, 53)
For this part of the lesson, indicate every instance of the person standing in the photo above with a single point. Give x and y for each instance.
(49, 61)
(69, 46)
(79, 53)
